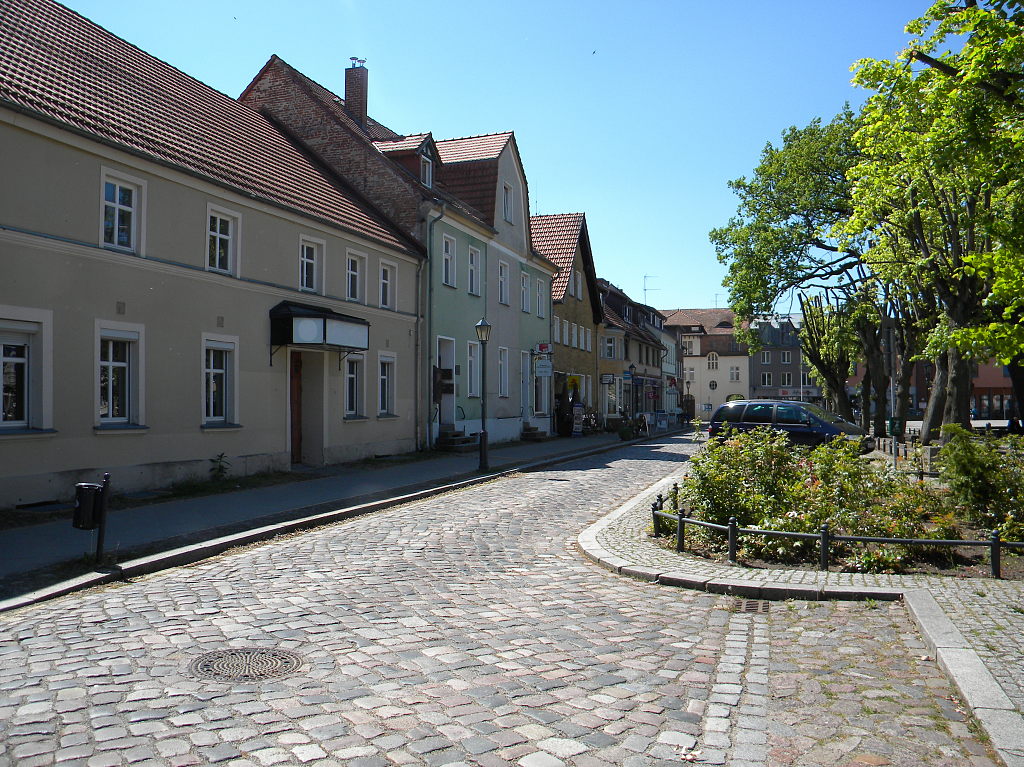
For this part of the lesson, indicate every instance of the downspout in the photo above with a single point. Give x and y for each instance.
(429, 368)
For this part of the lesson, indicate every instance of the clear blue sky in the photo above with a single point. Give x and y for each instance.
(635, 113)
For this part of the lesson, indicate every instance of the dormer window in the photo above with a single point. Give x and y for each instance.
(426, 171)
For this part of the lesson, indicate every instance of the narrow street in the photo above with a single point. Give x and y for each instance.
(467, 630)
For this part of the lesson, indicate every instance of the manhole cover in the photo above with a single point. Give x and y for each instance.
(245, 664)
(750, 606)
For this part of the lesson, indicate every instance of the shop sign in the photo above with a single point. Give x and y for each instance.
(543, 369)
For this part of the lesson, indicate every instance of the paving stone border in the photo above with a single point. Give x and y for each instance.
(615, 543)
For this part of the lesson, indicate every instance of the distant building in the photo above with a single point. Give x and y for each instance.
(715, 366)
(776, 369)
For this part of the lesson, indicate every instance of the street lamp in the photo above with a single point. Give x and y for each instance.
(483, 335)
(632, 390)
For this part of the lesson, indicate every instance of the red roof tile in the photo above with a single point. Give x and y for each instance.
(473, 148)
(556, 237)
(59, 66)
(405, 144)
(713, 321)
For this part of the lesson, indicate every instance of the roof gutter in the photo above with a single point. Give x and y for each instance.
(428, 370)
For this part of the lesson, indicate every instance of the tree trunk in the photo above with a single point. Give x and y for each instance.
(1016, 371)
(958, 390)
(932, 423)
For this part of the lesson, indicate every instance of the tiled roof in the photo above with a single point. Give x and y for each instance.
(405, 144)
(714, 321)
(556, 237)
(475, 184)
(473, 148)
(59, 66)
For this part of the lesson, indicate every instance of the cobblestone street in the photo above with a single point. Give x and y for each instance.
(468, 630)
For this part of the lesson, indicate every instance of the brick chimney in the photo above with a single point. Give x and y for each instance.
(355, 90)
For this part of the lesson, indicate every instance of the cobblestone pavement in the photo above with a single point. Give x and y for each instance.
(989, 613)
(468, 630)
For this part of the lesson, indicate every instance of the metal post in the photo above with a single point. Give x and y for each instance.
(661, 502)
(823, 554)
(654, 517)
(675, 496)
(732, 539)
(484, 462)
(994, 554)
(101, 532)
(680, 531)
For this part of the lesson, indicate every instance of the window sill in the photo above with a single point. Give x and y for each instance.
(386, 416)
(120, 428)
(449, 285)
(354, 418)
(26, 433)
(220, 427)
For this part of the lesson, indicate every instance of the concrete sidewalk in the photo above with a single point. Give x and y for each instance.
(170, 524)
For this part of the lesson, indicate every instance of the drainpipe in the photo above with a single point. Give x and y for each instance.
(429, 371)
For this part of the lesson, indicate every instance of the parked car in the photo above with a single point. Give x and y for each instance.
(804, 423)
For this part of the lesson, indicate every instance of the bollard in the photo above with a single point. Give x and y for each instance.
(675, 496)
(823, 554)
(994, 554)
(661, 502)
(732, 539)
(654, 517)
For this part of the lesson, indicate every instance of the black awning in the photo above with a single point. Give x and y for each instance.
(315, 327)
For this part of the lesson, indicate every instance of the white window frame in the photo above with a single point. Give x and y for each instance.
(234, 238)
(571, 286)
(524, 291)
(354, 387)
(426, 171)
(388, 285)
(134, 335)
(473, 369)
(355, 278)
(766, 378)
(386, 378)
(508, 203)
(311, 252)
(449, 261)
(575, 335)
(228, 344)
(473, 271)
(590, 340)
(608, 347)
(556, 328)
(138, 185)
(565, 332)
(787, 358)
(786, 379)
(32, 328)
(712, 360)
(503, 287)
(766, 357)
(579, 285)
(805, 378)
(734, 373)
(502, 371)
(541, 299)
(22, 359)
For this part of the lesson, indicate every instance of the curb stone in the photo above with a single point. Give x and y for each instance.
(989, 704)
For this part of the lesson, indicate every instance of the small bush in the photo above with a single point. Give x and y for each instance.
(985, 477)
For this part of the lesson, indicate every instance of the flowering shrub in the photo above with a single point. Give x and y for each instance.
(766, 482)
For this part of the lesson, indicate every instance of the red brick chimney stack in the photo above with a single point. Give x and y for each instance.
(355, 90)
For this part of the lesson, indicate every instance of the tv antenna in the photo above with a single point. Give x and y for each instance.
(649, 277)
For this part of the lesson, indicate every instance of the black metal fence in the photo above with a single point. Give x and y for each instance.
(824, 537)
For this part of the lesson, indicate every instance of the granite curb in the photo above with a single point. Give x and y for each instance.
(989, 704)
(316, 517)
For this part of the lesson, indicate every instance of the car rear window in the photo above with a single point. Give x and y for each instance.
(730, 413)
(759, 412)
(792, 414)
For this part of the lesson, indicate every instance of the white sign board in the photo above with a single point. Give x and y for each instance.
(543, 369)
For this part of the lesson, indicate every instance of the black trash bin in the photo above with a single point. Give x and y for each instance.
(88, 500)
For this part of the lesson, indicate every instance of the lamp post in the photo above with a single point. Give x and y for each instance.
(483, 335)
(632, 390)
(690, 412)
